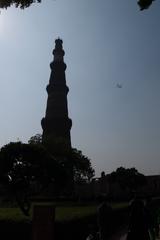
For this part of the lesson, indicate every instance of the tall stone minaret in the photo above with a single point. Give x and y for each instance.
(56, 125)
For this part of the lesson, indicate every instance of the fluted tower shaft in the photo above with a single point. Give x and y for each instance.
(57, 125)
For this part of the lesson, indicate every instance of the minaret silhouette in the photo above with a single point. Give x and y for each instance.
(57, 125)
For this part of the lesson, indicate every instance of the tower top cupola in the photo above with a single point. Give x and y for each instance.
(58, 52)
(58, 43)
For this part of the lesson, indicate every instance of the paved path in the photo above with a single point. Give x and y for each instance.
(124, 236)
(120, 235)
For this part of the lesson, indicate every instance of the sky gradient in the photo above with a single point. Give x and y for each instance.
(106, 42)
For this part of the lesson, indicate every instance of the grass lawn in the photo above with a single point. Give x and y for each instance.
(75, 212)
(63, 212)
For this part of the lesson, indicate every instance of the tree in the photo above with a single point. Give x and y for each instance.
(143, 4)
(21, 165)
(18, 3)
(128, 178)
(75, 163)
(36, 139)
(82, 168)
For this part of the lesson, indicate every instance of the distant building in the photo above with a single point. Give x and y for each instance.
(56, 124)
(102, 187)
(152, 188)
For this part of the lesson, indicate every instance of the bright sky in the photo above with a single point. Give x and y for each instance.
(106, 43)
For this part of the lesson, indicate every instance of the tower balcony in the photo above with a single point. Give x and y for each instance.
(58, 66)
(57, 88)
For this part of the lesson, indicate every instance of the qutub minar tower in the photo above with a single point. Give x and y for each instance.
(57, 125)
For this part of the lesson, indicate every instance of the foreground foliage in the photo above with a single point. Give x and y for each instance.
(18, 3)
(143, 4)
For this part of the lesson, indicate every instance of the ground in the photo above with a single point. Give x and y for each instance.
(120, 235)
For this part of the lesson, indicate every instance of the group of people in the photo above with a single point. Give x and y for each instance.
(143, 221)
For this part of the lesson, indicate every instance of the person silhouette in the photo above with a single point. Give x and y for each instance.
(105, 215)
(139, 221)
(153, 212)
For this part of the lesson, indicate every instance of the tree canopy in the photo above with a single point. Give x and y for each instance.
(128, 178)
(143, 4)
(22, 165)
(72, 159)
(82, 168)
(18, 3)
(36, 139)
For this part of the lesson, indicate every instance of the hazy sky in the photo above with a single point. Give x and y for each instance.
(106, 42)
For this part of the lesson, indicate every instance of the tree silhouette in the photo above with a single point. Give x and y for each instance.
(18, 3)
(128, 178)
(143, 4)
(36, 139)
(82, 168)
(22, 165)
(72, 159)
